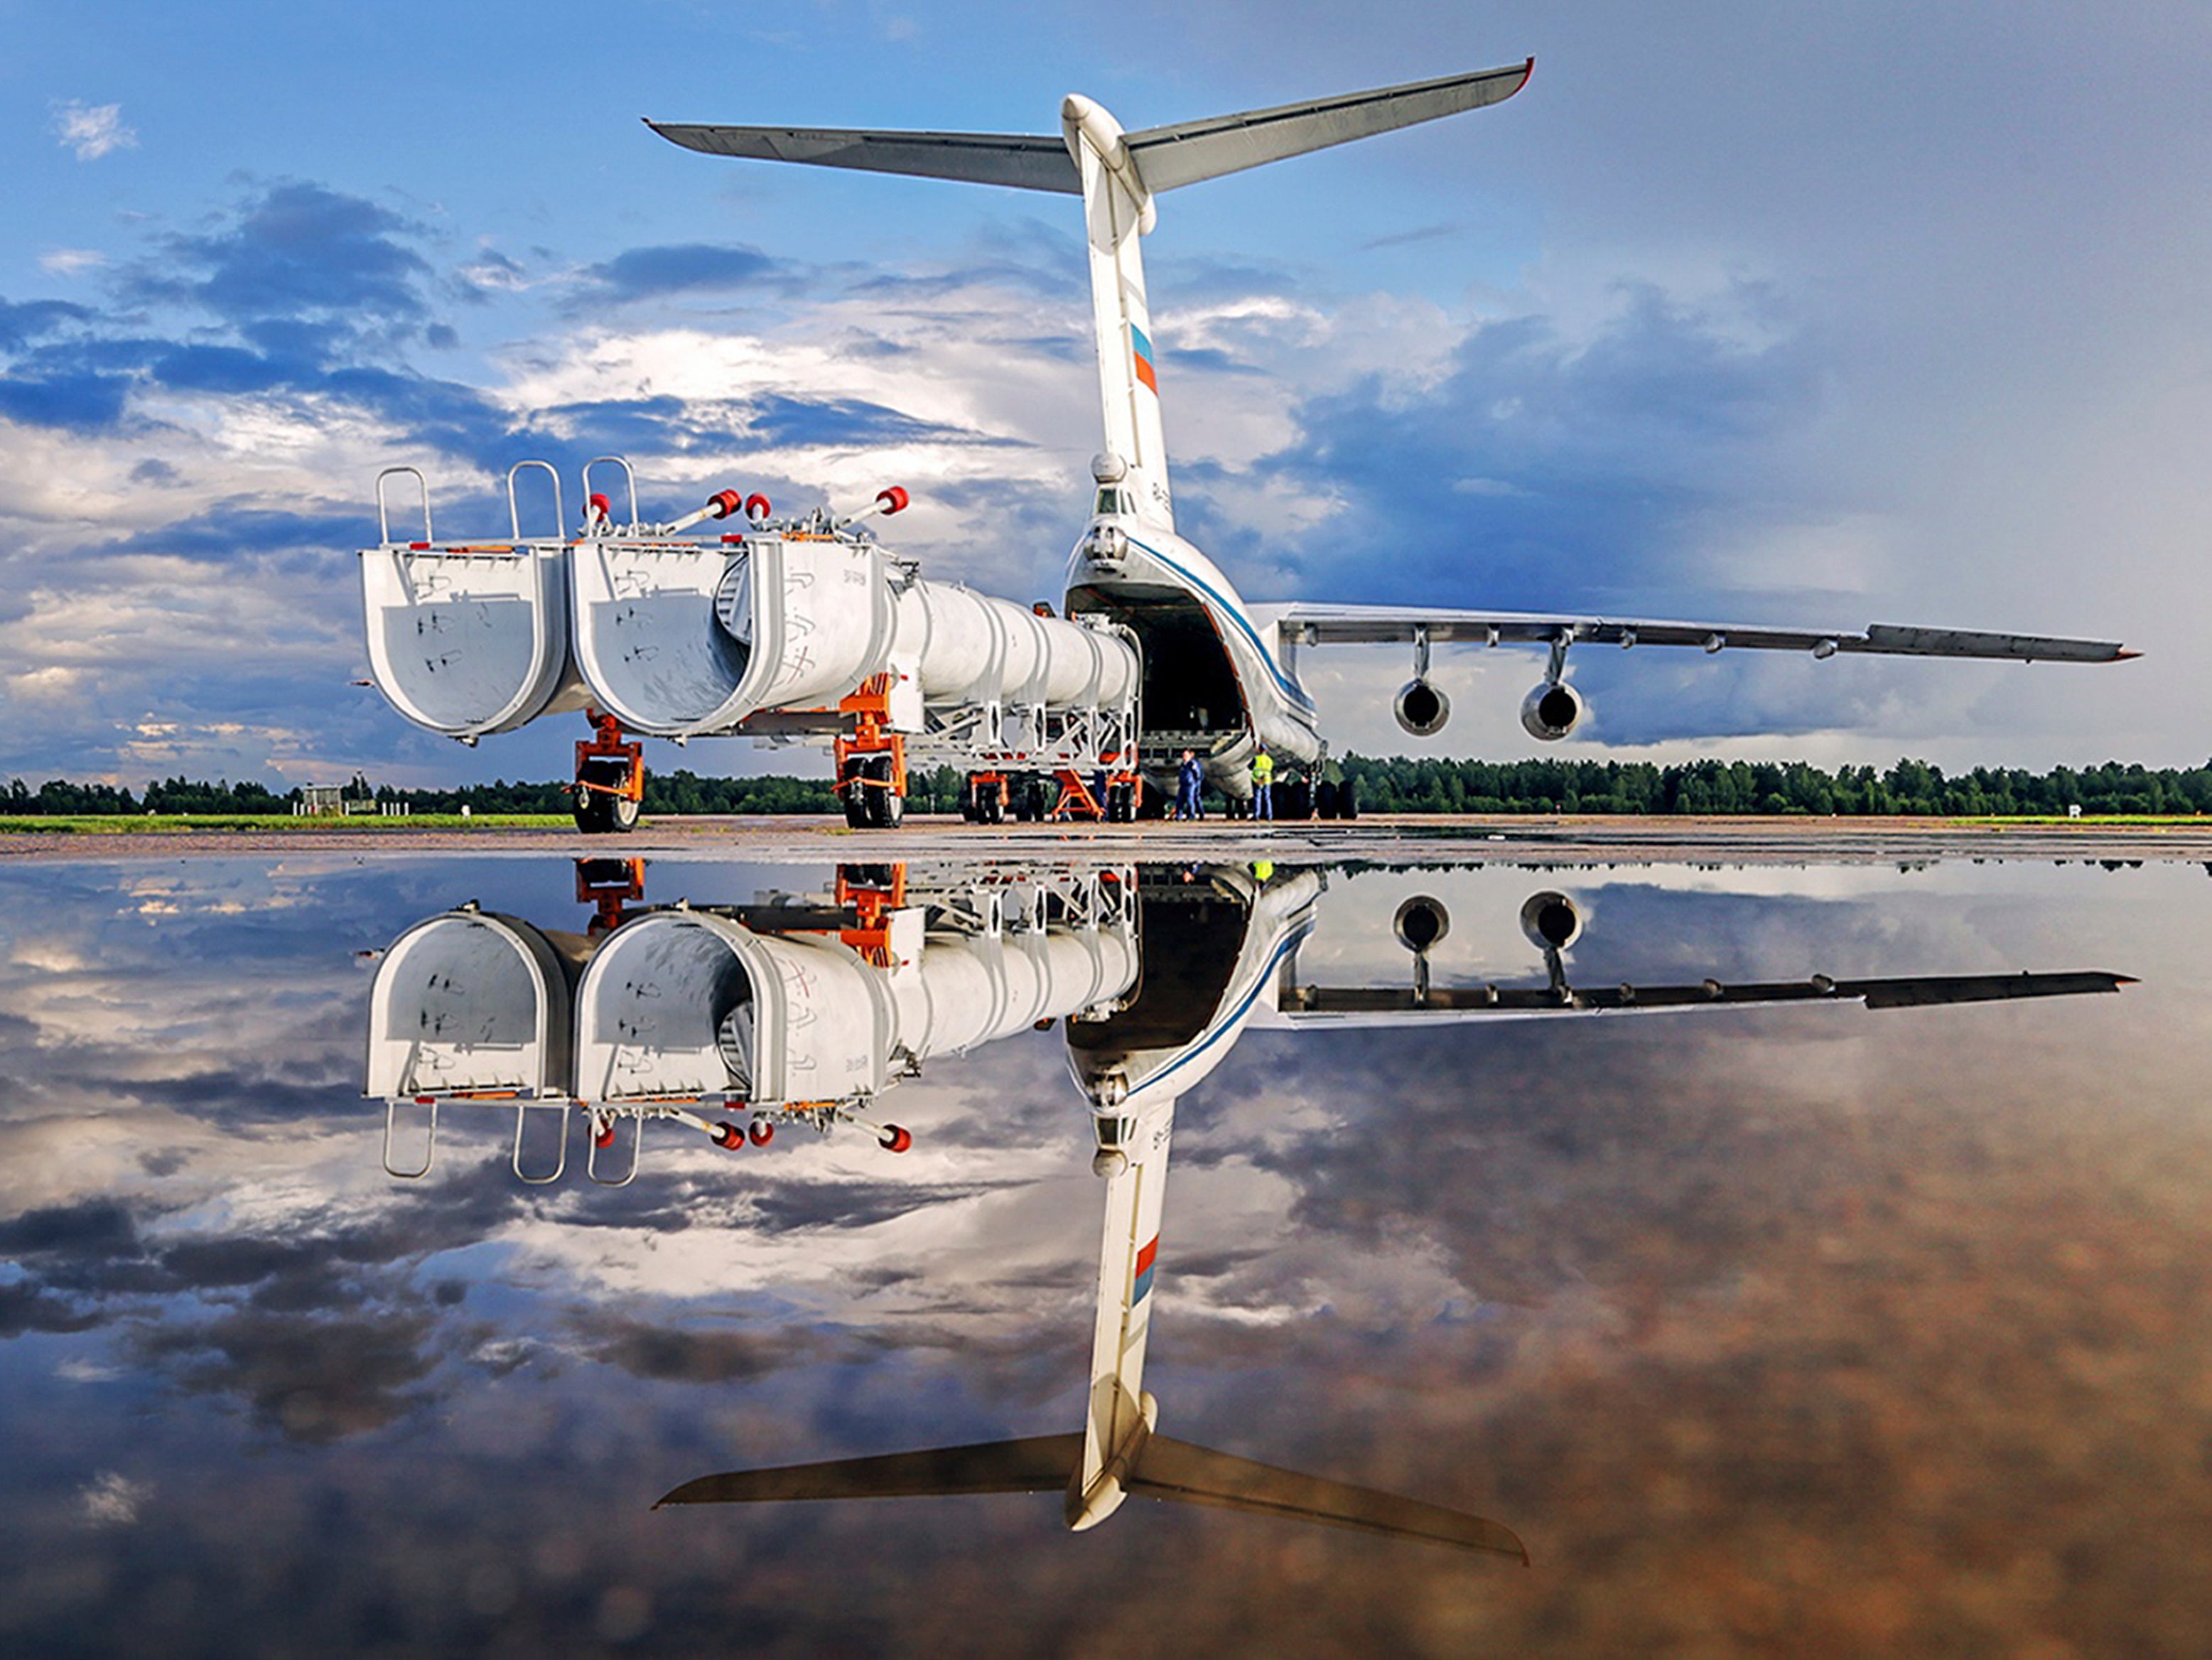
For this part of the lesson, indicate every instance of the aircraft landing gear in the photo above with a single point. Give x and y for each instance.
(873, 787)
(984, 798)
(609, 787)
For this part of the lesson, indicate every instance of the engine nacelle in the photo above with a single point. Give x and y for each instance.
(1551, 711)
(1551, 920)
(1421, 708)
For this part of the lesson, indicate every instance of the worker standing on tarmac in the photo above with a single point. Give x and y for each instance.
(1263, 784)
(1189, 776)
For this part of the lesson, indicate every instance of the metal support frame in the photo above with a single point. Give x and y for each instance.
(607, 743)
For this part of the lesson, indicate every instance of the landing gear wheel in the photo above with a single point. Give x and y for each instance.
(1347, 799)
(601, 811)
(1325, 800)
(886, 807)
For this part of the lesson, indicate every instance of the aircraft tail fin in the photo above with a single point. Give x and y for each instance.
(1198, 1475)
(1037, 1463)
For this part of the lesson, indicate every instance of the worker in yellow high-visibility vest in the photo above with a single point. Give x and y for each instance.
(1263, 784)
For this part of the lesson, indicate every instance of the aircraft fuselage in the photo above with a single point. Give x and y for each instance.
(1213, 678)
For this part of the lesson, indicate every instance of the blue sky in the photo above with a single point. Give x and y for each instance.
(1872, 315)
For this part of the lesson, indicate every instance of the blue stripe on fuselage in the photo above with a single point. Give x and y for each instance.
(1287, 686)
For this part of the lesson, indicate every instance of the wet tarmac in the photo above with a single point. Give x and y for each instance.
(1792, 1238)
(1571, 840)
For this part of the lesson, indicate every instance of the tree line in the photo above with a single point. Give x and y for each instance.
(1393, 785)
(1769, 787)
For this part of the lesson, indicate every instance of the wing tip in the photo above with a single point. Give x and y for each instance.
(2124, 653)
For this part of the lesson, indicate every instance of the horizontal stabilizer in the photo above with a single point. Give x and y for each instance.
(1039, 1463)
(1200, 1476)
(1019, 159)
(1166, 156)
(1165, 1470)
(1192, 151)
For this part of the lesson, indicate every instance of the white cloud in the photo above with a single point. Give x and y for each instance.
(71, 262)
(93, 130)
(112, 1501)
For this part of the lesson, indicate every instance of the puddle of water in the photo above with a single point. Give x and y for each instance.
(1759, 1246)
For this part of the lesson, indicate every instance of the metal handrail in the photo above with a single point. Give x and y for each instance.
(384, 518)
(429, 1147)
(515, 513)
(522, 1111)
(628, 477)
(614, 1131)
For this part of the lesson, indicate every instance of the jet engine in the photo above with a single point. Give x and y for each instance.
(1421, 708)
(1550, 712)
(1552, 921)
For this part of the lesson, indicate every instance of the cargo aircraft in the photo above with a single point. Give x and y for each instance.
(1219, 676)
(805, 628)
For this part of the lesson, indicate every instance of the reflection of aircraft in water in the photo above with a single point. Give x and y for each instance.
(1218, 953)
(804, 1009)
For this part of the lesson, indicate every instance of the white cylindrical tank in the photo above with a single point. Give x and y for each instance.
(470, 642)
(473, 1002)
(680, 1004)
(684, 1003)
(682, 640)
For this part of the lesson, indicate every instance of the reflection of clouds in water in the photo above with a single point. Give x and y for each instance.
(113, 1500)
(1754, 1323)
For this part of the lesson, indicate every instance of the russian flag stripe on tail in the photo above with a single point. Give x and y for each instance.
(1144, 1285)
(1140, 348)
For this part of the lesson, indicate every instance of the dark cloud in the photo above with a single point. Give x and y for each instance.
(314, 1380)
(777, 419)
(26, 1308)
(74, 403)
(1537, 458)
(670, 1354)
(22, 322)
(103, 1226)
(682, 268)
(299, 250)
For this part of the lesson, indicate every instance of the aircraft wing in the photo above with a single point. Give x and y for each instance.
(1404, 1006)
(1304, 624)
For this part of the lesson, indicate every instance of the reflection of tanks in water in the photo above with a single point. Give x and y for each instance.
(731, 1021)
(806, 1010)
